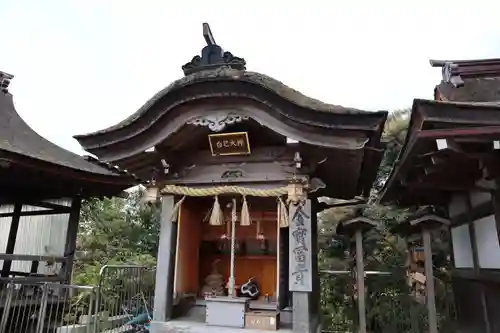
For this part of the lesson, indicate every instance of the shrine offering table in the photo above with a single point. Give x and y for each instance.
(226, 311)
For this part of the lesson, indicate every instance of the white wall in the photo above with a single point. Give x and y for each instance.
(488, 246)
(486, 235)
(462, 248)
(37, 235)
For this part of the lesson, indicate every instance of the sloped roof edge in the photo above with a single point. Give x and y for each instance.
(229, 74)
(17, 137)
(411, 137)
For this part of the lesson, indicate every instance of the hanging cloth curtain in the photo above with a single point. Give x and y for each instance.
(282, 214)
(245, 213)
(217, 217)
(176, 211)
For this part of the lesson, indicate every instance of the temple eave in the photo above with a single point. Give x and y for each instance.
(442, 160)
(215, 84)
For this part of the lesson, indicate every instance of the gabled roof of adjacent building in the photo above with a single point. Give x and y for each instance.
(447, 137)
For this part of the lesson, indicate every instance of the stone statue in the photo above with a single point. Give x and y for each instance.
(214, 282)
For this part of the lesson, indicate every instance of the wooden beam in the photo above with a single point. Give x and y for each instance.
(49, 205)
(448, 133)
(29, 257)
(31, 274)
(33, 279)
(357, 202)
(70, 246)
(37, 212)
(11, 242)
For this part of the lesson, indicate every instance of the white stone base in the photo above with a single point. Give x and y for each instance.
(175, 326)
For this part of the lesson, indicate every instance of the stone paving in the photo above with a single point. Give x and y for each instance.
(197, 327)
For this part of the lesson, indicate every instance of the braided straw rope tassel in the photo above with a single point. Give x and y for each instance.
(245, 213)
(217, 217)
(217, 190)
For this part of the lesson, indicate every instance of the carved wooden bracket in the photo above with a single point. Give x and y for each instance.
(231, 174)
(217, 122)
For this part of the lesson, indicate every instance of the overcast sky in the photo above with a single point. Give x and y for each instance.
(83, 65)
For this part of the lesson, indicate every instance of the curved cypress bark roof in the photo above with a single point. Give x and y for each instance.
(218, 81)
(17, 137)
(226, 73)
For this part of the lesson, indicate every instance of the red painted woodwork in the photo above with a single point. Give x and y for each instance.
(188, 240)
(194, 265)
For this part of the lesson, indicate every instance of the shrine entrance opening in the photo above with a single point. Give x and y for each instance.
(203, 256)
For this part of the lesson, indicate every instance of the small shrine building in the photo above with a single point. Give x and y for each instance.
(237, 160)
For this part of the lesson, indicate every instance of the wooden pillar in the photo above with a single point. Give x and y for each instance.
(11, 242)
(284, 293)
(360, 274)
(423, 221)
(278, 264)
(409, 261)
(430, 291)
(356, 227)
(71, 234)
(163, 300)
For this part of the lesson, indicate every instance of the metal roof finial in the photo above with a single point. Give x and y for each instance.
(212, 56)
(207, 34)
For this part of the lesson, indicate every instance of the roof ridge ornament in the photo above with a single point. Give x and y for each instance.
(455, 71)
(5, 79)
(450, 74)
(212, 56)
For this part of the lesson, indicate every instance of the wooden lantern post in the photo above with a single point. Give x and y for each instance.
(422, 223)
(356, 227)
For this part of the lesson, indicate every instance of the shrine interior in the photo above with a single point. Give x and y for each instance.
(203, 251)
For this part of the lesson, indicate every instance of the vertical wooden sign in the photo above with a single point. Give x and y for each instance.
(300, 256)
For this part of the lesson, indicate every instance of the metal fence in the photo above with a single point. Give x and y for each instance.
(121, 302)
(125, 298)
(32, 307)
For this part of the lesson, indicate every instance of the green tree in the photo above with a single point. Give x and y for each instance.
(388, 295)
(115, 231)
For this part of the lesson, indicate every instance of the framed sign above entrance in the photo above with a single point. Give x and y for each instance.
(225, 144)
